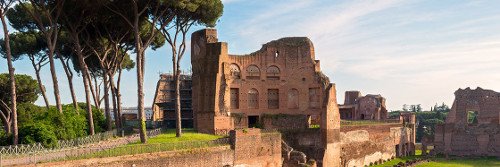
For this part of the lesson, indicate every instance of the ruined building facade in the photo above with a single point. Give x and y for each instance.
(281, 87)
(358, 107)
(240, 91)
(164, 101)
(472, 126)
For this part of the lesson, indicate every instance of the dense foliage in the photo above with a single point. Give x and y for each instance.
(26, 88)
(37, 124)
(426, 120)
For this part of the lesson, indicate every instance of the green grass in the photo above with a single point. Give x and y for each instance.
(163, 142)
(187, 135)
(442, 162)
(462, 162)
(395, 161)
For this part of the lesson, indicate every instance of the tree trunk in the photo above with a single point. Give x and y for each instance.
(55, 83)
(140, 96)
(140, 78)
(119, 97)
(69, 75)
(178, 126)
(12, 80)
(113, 97)
(106, 101)
(94, 95)
(40, 84)
(86, 85)
(5, 116)
(42, 88)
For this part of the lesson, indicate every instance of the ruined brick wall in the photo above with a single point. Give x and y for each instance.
(253, 148)
(248, 147)
(282, 77)
(461, 136)
(351, 96)
(358, 107)
(209, 157)
(360, 145)
(285, 121)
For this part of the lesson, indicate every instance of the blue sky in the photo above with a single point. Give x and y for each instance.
(411, 52)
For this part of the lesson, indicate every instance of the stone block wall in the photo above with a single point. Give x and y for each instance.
(363, 145)
(253, 148)
(285, 121)
(360, 145)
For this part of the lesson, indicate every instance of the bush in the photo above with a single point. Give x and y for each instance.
(38, 132)
(72, 123)
(5, 139)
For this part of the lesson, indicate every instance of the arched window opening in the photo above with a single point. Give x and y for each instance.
(253, 99)
(273, 99)
(235, 72)
(273, 73)
(277, 54)
(293, 99)
(253, 72)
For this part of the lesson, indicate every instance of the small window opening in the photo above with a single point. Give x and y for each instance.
(472, 117)
(277, 54)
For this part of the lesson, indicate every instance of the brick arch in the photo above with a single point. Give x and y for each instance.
(273, 72)
(253, 72)
(234, 71)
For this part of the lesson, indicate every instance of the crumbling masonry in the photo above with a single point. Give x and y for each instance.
(472, 126)
(281, 86)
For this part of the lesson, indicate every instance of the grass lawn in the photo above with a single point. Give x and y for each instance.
(187, 135)
(164, 142)
(464, 162)
(395, 161)
(442, 162)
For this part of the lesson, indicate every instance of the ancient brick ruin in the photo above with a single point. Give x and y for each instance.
(282, 87)
(472, 126)
(278, 86)
(358, 107)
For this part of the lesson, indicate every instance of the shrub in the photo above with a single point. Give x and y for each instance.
(38, 132)
(5, 139)
(72, 123)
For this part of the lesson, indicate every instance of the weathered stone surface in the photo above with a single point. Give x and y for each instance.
(282, 77)
(461, 135)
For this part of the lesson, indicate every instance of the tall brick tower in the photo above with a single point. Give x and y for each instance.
(210, 104)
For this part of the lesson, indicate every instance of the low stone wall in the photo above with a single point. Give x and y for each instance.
(479, 140)
(249, 147)
(365, 145)
(253, 148)
(215, 156)
(361, 145)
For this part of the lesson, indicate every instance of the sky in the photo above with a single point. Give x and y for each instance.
(410, 52)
